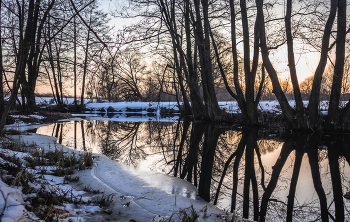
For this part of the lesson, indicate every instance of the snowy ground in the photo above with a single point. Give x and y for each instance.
(230, 106)
(137, 195)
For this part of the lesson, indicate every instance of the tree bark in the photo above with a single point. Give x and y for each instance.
(240, 95)
(316, 85)
(287, 110)
(292, 67)
(35, 55)
(187, 108)
(202, 34)
(23, 52)
(75, 64)
(333, 111)
(249, 74)
(192, 79)
(85, 71)
(58, 97)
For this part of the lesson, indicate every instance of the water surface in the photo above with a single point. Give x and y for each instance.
(296, 177)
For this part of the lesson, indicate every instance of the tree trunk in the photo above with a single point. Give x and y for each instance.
(22, 55)
(198, 110)
(292, 67)
(197, 106)
(187, 108)
(333, 111)
(287, 110)
(75, 65)
(58, 97)
(85, 71)
(249, 75)
(24, 90)
(240, 95)
(36, 51)
(202, 34)
(316, 85)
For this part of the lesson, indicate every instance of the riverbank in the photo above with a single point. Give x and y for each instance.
(136, 195)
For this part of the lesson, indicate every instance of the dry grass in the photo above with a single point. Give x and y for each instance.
(14, 171)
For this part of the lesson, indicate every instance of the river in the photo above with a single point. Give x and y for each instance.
(259, 174)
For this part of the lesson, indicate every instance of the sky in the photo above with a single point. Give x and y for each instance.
(306, 62)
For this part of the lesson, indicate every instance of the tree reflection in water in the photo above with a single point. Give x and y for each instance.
(245, 171)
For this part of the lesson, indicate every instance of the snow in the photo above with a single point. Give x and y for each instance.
(22, 127)
(26, 117)
(19, 116)
(16, 125)
(48, 100)
(140, 195)
(229, 106)
(14, 210)
(154, 192)
(70, 119)
(12, 201)
(124, 118)
(37, 116)
(122, 106)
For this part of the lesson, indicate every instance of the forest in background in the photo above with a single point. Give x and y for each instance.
(198, 52)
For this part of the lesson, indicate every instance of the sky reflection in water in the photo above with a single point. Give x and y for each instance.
(298, 177)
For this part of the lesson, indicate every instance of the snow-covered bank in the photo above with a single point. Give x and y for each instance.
(229, 106)
(26, 186)
(271, 106)
(12, 204)
(137, 195)
(124, 118)
(149, 194)
(123, 106)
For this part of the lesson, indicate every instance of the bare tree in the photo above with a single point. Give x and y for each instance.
(26, 41)
(131, 71)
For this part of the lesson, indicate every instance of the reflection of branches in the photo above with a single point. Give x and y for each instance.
(210, 141)
(333, 156)
(226, 163)
(257, 151)
(293, 183)
(224, 174)
(315, 171)
(277, 168)
(164, 140)
(119, 141)
(250, 175)
(239, 151)
(192, 157)
(183, 138)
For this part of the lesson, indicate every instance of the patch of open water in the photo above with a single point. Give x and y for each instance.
(300, 177)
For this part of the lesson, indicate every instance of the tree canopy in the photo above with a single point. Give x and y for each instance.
(195, 52)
